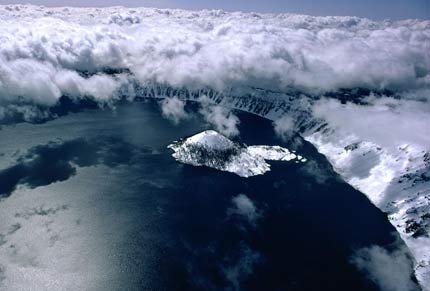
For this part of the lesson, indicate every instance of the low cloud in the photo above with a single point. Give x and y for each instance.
(245, 208)
(222, 118)
(217, 268)
(385, 121)
(49, 52)
(42, 83)
(319, 172)
(284, 127)
(242, 266)
(173, 109)
(390, 270)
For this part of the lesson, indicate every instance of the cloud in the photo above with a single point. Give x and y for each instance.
(390, 270)
(106, 54)
(284, 127)
(49, 52)
(320, 172)
(214, 267)
(242, 267)
(245, 208)
(2, 275)
(41, 83)
(384, 121)
(173, 109)
(221, 117)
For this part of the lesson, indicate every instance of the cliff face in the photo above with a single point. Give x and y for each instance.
(59, 60)
(395, 178)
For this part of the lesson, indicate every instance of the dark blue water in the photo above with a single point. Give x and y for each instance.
(180, 235)
(304, 240)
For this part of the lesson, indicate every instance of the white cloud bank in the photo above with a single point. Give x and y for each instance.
(48, 52)
(385, 121)
(98, 53)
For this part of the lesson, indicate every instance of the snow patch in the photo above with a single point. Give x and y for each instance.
(211, 149)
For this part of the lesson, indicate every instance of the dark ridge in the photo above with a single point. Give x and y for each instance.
(64, 106)
(67, 105)
(252, 99)
(104, 71)
(357, 95)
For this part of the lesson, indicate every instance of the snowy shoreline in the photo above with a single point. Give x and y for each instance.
(211, 149)
(271, 65)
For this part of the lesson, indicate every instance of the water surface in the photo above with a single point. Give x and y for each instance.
(94, 200)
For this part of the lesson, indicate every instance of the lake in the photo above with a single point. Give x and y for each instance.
(93, 200)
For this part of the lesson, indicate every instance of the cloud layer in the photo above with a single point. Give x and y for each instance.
(50, 52)
(385, 121)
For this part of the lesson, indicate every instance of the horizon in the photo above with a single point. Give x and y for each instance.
(165, 149)
(374, 10)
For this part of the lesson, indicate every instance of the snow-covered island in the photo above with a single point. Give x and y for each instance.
(212, 149)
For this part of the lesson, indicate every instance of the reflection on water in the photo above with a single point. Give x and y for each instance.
(121, 213)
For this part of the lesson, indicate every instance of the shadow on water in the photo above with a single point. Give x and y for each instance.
(54, 162)
(307, 222)
(307, 231)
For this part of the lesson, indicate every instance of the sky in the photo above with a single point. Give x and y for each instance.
(373, 9)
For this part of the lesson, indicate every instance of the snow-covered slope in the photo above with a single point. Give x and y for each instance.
(274, 153)
(211, 149)
(396, 180)
(394, 175)
(268, 64)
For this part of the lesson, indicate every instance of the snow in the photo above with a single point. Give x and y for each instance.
(93, 52)
(394, 184)
(46, 52)
(212, 139)
(244, 161)
(274, 153)
(368, 156)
